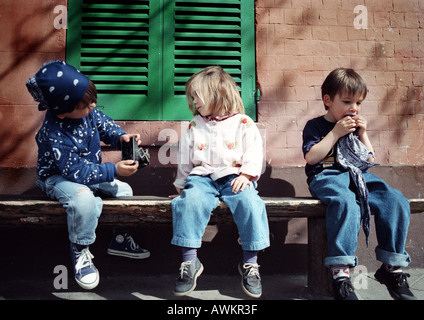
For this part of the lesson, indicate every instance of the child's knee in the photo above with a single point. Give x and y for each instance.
(83, 200)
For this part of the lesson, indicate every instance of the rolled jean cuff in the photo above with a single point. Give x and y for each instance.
(181, 242)
(255, 246)
(351, 261)
(392, 258)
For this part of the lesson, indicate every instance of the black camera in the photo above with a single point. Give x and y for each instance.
(131, 151)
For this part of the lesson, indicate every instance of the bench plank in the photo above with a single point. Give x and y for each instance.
(150, 209)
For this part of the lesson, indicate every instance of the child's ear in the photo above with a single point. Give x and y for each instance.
(326, 99)
(61, 116)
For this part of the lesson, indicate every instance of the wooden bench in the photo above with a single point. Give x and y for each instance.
(17, 210)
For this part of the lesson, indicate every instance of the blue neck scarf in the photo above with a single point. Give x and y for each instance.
(352, 155)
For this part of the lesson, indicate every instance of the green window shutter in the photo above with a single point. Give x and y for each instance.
(113, 48)
(141, 53)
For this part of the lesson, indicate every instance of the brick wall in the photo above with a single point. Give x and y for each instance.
(300, 41)
(28, 39)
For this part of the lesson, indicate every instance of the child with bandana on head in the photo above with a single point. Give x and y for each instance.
(70, 167)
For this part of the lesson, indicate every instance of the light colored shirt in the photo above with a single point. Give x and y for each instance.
(220, 148)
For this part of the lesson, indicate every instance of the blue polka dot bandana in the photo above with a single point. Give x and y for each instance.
(58, 87)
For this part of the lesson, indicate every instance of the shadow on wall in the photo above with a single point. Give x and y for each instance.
(28, 36)
(158, 181)
(155, 181)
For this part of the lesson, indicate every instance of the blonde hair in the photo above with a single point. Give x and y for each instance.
(217, 90)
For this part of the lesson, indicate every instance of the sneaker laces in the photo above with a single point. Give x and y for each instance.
(345, 288)
(184, 268)
(133, 245)
(83, 260)
(400, 279)
(253, 269)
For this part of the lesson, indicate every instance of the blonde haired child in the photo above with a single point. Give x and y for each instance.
(220, 159)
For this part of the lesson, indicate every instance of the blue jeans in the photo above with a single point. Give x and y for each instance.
(343, 218)
(191, 212)
(82, 206)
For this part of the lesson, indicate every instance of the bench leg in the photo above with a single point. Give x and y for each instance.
(319, 277)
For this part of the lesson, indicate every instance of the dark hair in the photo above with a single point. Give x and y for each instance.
(344, 80)
(89, 96)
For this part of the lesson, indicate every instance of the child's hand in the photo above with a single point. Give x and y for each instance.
(126, 168)
(241, 182)
(127, 138)
(344, 126)
(361, 123)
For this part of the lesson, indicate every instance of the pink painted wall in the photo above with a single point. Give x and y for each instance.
(298, 42)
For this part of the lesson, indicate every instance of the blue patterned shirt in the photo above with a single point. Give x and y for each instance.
(71, 147)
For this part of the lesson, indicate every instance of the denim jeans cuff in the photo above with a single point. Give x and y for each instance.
(181, 242)
(341, 260)
(392, 258)
(255, 246)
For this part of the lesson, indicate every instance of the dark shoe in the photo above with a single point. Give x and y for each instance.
(250, 279)
(343, 289)
(189, 272)
(122, 244)
(396, 283)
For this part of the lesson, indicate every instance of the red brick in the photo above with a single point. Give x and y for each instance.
(338, 33)
(378, 6)
(355, 34)
(286, 123)
(405, 5)
(277, 16)
(293, 16)
(380, 19)
(397, 20)
(278, 3)
(398, 155)
(294, 78)
(412, 20)
(321, 63)
(304, 93)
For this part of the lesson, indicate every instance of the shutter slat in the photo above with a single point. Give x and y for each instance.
(117, 42)
(114, 69)
(115, 33)
(114, 59)
(206, 43)
(107, 51)
(205, 53)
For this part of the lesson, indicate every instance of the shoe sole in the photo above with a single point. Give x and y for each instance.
(180, 294)
(128, 255)
(250, 294)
